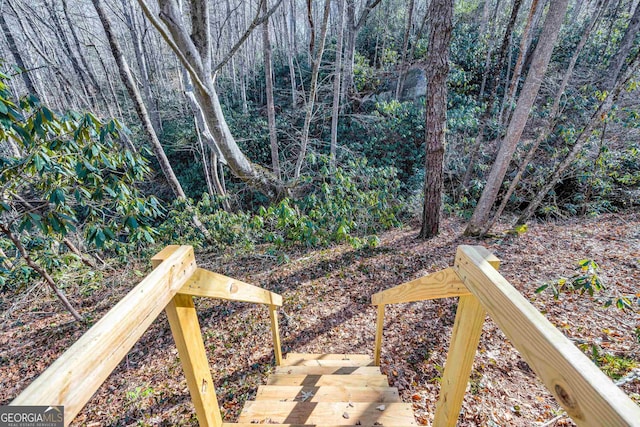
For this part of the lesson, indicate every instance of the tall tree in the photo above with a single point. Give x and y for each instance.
(316, 59)
(437, 69)
(540, 61)
(192, 45)
(271, 109)
(554, 112)
(496, 72)
(17, 56)
(337, 76)
(612, 89)
(354, 25)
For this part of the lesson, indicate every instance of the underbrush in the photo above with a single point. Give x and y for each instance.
(350, 205)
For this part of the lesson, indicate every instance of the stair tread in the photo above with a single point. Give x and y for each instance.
(328, 394)
(328, 380)
(309, 425)
(328, 370)
(306, 359)
(327, 413)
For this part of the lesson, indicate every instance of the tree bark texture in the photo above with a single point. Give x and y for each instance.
(488, 112)
(316, 60)
(13, 48)
(437, 69)
(141, 110)
(337, 77)
(271, 112)
(528, 95)
(193, 50)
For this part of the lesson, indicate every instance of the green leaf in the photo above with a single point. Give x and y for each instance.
(100, 238)
(131, 223)
(57, 196)
(541, 288)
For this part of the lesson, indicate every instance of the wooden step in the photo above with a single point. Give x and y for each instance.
(302, 359)
(328, 380)
(328, 370)
(328, 394)
(305, 425)
(327, 413)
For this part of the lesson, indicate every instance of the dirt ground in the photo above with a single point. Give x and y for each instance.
(327, 310)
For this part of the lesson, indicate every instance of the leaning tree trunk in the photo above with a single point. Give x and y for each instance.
(143, 115)
(584, 136)
(437, 69)
(41, 271)
(488, 112)
(529, 92)
(316, 60)
(553, 115)
(193, 48)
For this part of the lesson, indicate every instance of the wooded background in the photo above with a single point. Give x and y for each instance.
(287, 122)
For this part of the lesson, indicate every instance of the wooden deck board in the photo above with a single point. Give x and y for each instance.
(339, 413)
(328, 370)
(329, 380)
(328, 394)
(300, 359)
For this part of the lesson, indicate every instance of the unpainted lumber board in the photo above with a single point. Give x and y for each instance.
(305, 425)
(329, 380)
(302, 359)
(328, 394)
(584, 391)
(441, 284)
(328, 370)
(73, 378)
(339, 413)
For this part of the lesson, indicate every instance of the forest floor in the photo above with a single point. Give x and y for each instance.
(326, 310)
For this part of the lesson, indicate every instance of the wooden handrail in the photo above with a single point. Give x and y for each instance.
(75, 376)
(588, 395)
(441, 284)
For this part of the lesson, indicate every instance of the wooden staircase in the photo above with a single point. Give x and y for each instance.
(326, 390)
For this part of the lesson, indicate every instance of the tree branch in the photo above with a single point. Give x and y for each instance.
(256, 22)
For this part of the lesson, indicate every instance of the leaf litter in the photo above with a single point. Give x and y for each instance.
(326, 310)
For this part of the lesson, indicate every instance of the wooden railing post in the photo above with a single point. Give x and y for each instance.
(185, 328)
(275, 331)
(379, 327)
(462, 350)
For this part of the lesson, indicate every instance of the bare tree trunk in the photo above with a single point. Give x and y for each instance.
(597, 117)
(405, 47)
(437, 69)
(136, 40)
(134, 94)
(13, 48)
(525, 42)
(316, 60)
(553, 114)
(271, 112)
(354, 26)
(335, 107)
(194, 51)
(488, 112)
(41, 271)
(529, 92)
(290, 36)
(617, 62)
